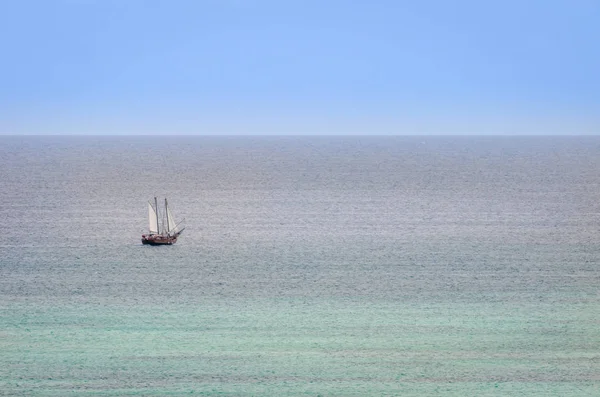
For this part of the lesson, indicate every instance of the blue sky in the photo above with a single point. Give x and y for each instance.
(299, 67)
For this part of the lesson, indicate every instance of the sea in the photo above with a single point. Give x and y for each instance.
(309, 266)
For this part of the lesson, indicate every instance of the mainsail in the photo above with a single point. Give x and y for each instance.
(152, 219)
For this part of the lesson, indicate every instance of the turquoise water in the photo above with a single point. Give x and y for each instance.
(440, 266)
(287, 347)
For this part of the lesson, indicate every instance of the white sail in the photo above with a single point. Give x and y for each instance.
(172, 225)
(152, 219)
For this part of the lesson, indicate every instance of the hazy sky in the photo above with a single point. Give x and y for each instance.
(299, 67)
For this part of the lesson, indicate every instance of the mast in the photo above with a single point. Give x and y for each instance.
(167, 212)
(156, 209)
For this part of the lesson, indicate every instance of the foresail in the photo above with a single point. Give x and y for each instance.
(172, 224)
(152, 219)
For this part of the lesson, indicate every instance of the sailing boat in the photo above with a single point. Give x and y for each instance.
(168, 233)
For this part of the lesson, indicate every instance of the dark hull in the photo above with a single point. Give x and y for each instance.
(158, 240)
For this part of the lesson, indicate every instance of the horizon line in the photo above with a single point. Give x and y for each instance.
(301, 135)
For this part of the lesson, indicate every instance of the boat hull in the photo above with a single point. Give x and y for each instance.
(157, 239)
